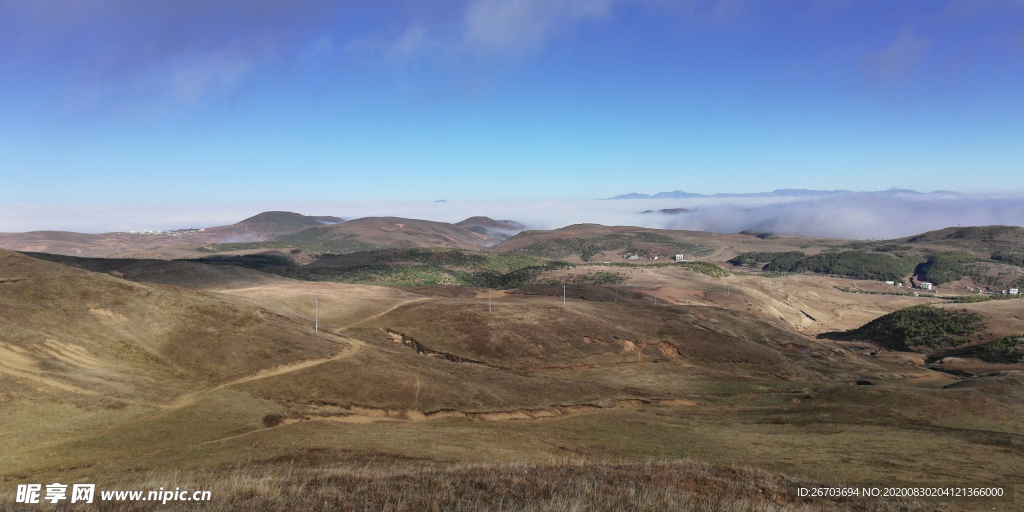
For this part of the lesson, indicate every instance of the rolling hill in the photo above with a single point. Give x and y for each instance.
(100, 335)
(404, 389)
(384, 232)
(497, 230)
(590, 242)
(268, 225)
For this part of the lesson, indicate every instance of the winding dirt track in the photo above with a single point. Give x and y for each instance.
(191, 398)
(186, 400)
(354, 346)
(378, 315)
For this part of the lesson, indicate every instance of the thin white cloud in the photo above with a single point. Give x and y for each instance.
(857, 215)
(519, 26)
(892, 65)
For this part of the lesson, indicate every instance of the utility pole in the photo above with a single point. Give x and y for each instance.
(316, 320)
(563, 293)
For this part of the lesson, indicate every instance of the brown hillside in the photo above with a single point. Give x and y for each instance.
(537, 334)
(595, 242)
(186, 274)
(70, 330)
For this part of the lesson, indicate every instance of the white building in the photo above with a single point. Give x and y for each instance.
(891, 282)
(681, 257)
(1014, 291)
(926, 286)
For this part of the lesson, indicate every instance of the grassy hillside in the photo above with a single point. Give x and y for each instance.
(371, 233)
(443, 402)
(100, 335)
(245, 246)
(973, 238)
(594, 333)
(408, 267)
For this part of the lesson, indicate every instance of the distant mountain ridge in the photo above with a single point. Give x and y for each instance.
(782, 192)
(495, 230)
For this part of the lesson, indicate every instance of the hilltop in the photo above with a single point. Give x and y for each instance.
(496, 230)
(974, 238)
(268, 225)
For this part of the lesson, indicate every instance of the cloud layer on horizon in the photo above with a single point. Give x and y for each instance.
(876, 215)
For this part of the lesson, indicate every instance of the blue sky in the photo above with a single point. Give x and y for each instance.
(204, 101)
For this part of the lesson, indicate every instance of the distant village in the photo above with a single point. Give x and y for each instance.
(631, 256)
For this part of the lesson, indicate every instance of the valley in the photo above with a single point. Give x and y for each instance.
(466, 365)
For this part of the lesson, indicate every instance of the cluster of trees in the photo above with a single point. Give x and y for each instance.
(946, 267)
(1015, 259)
(853, 264)
(921, 326)
(1008, 350)
(762, 259)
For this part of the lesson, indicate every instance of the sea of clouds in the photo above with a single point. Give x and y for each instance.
(863, 215)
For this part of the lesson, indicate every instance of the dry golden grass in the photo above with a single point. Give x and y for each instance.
(395, 424)
(321, 480)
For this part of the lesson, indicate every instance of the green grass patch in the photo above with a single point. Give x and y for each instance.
(703, 267)
(323, 240)
(847, 289)
(245, 246)
(969, 299)
(409, 267)
(599, 277)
